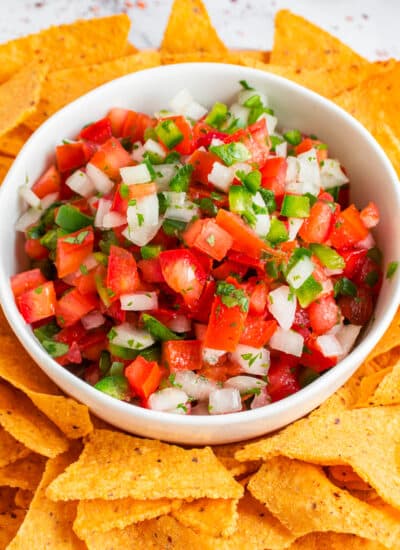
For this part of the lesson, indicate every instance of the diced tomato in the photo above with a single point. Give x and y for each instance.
(370, 215)
(187, 145)
(348, 229)
(35, 250)
(117, 118)
(257, 331)
(183, 273)
(73, 306)
(92, 374)
(73, 333)
(313, 358)
(273, 175)
(70, 156)
(49, 182)
(369, 275)
(86, 283)
(244, 259)
(143, 376)
(308, 144)
(37, 303)
(26, 280)
(182, 355)
(201, 129)
(116, 313)
(202, 310)
(316, 227)
(225, 326)
(258, 298)
(256, 139)
(135, 125)
(354, 260)
(282, 379)
(198, 192)
(151, 270)
(324, 314)
(208, 236)
(71, 252)
(206, 139)
(220, 372)
(202, 162)
(122, 275)
(228, 268)
(98, 132)
(111, 157)
(357, 309)
(139, 190)
(119, 203)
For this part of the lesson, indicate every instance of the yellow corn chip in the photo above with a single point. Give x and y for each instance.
(12, 141)
(190, 29)
(48, 524)
(27, 424)
(9, 524)
(335, 541)
(7, 499)
(226, 455)
(215, 517)
(304, 500)
(20, 95)
(368, 385)
(389, 141)
(62, 87)
(142, 468)
(104, 515)
(5, 165)
(343, 473)
(388, 391)
(17, 368)
(389, 340)
(79, 44)
(10, 449)
(235, 57)
(361, 438)
(24, 473)
(23, 498)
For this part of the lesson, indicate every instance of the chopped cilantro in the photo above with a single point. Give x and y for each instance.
(245, 85)
(232, 296)
(391, 269)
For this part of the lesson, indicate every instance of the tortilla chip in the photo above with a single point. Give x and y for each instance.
(5, 165)
(190, 29)
(78, 44)
(23, 498)
(104, 515)
(10, 449)
(335, 541)
(7, 499)
(389, 340)
(12, 141)
(27, 424)
(215, 517)
(388, 390)
(24, 473)
(17, 368)
(390, 143)
(62, 87)
(301, 44)
(343, 473)
(361, 438)
(9, 525)
(368, 385)
(141, 469)
(226, 455)
(304, 500)
(259, 55)
(48, 524)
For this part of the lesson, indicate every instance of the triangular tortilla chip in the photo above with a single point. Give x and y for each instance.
(10, 449)
(388, 391)
(24, 473)
(389, 340)
(190, 29)
(215, 517)
(12, 141)
(78, 44)
(390, 143)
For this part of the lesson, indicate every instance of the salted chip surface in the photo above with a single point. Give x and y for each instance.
(24, 473)
(104, 515)
(78, 44)
(20, 417)
(304, 500)
(48, 524)
(10, 449)
(62, 87)
(12, 141)
(9, 524)
(189, 29)
(141, 469)
(215, 517)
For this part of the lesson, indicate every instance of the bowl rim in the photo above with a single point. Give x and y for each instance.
(308, 393)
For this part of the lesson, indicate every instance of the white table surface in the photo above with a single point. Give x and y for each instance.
(370, 26)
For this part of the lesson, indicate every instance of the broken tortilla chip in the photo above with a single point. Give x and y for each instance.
(143, 468)
(389, 340)
(215, 517)
(12, 141)
(10, 449)
(9, 525)
(335, 541)
(226, 455)
(190, 29)
(304, 500)
(24, 473)
(23, 498)
(368, 385)
(388, 390)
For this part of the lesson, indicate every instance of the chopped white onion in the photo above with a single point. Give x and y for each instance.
(292, 171)
(175, 198)
(139, 301)
(212, 356)
(309, 177)
(93, 319)
(221, 176)
(261, 399)
(142, 235)
(263, 221)
(167, 399)
(242, 167)
(245, 384)
(288, 341)
(271, 122)
(281, 149)
(152, 146)
(28, 218)
(113, 219)
(332, 174)
(294, 225)
(251, 360)
(48, 200)
(179, 324)
(100, 180)
(103, 208)
(300, 272)
(80, 182)
(29, 196)
(329, 345)
(138, 151)
(183, 213)
(197, 387)
(226, 400)
(135, 174)
(245, 95)
(239, 113)
(143, 213)
(184, 104)
(164, 174)
(128, 336)
(367, 243)
(347, 336)
(282, 305)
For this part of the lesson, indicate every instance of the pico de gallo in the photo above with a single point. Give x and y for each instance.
(196, 261)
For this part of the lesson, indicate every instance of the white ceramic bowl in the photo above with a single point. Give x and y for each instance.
(372, 178)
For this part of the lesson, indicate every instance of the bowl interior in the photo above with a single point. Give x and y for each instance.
(370, 173)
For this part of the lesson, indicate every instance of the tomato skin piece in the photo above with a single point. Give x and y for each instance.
(255, 138)
(367, 267)
(202, 162)
(209, 237)
(227, 268)
(86, 283)
(122, 275)
(71, 307)
(308, 144)
(143, 376)
(37, 303)
(110, 157)
(258, 298)
(183, 273)
(324, 314)
(273, 175)
(206, 139)
(357, 309)
(370, 215)
(98, 132)
(316, 227)
(151, 270)
(73, 333)
(49, 182)
(201, 312)
(188, 144)
(313, 358)
(117, 118)
(135, 124)
(257, 332)
(35, 250)
(354, 260)
(70, 156)
(70, 256)
(26, 280)
(348, 229)
(225, 326)
(182, 355)
(282, 381)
